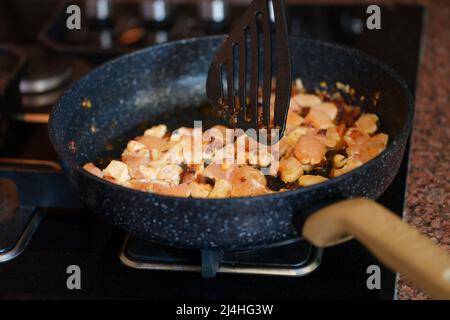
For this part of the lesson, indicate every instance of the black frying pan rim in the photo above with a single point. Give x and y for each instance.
(405, 130)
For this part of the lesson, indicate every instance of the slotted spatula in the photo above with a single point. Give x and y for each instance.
(243, 68)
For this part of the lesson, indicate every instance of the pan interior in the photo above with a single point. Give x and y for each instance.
(166, 84)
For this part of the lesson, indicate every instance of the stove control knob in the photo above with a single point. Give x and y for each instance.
(98, 9)
(155, 10)
(215, 11)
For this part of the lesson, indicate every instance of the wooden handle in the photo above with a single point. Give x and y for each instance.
(397, 245)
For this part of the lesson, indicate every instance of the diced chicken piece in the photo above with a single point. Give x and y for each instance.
(157, 131)
(327, 107)
(181, 190)
(125, 184)
(134, 146)
(294, 120)
(246, 143)
(177, 152)
(180, 133)
(367, 123)
(288, 142)
(380, 138)
(170, 173)
(208, 153)
(136, 159)
(182, 151)
(219, 171)
(222, 189)
(306, 100)
(111, 179)
(331, 138)
(247, 173)
(369, 149)
(217, 135)
(117, 170)
(345, 166)
(355, 137)
(192, 172)
(155, 154)
(152, 142)
(290, 170)
(215, 142)
(262, 157)
(158, 187)
(294, 106)
(157, 163)
(149, 173)
(91, 168)
(339, 161)
(284, 146)
(309, 150)
(227, 152)
(247, 181)
(200, 190)
(309, 180)
(138, 184)
(318, 119)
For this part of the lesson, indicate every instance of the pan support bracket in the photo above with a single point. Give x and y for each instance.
(16, 233)
(17, 223)
(292, 258)
(27, 187)
(211, 262)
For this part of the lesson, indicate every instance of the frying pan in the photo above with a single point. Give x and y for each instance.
(166, 84)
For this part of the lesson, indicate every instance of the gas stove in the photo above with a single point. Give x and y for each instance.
(42, 233)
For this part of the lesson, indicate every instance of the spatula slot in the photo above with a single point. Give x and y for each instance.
(222, 100)
(248, 116)
(236, 73)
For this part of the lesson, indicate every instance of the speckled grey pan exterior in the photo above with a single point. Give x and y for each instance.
(171, 78)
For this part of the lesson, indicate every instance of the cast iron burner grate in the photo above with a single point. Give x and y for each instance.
(290, 258)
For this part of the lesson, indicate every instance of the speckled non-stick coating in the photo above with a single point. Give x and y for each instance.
(169, 77)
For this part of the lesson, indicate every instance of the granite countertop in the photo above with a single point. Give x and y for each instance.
(427, 205)
(428, 196)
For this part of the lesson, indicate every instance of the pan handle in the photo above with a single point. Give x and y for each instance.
(395, 243)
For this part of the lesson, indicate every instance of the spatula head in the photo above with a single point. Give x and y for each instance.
(255, 53)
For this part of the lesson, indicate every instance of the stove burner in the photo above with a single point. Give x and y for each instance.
(290, 258)
(41, 100)
(46, 79)
(45, 73)
(45, 82)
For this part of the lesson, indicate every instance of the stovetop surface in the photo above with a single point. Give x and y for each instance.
(77, 237)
